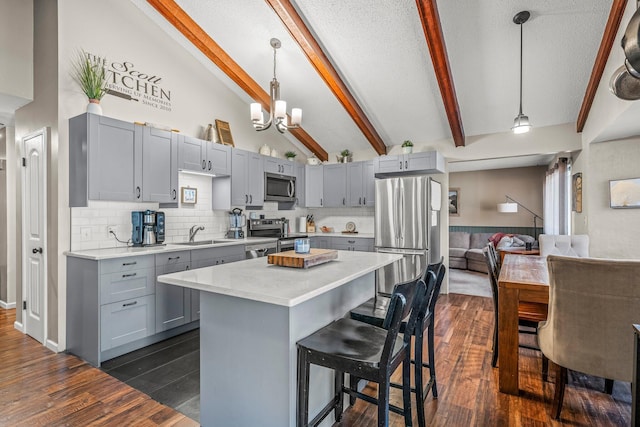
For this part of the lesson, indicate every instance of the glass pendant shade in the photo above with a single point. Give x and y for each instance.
(521, 124)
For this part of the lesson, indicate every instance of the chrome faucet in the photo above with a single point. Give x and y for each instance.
(193, 231)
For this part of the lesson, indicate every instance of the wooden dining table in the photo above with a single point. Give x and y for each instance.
(523, 279)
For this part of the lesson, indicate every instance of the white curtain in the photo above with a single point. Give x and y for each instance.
(557, 209)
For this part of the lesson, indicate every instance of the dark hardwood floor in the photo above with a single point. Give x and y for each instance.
(38, 387)
(42, 388)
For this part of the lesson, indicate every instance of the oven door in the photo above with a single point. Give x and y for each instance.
(286, 245)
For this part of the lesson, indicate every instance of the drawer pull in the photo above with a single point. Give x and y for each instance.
(174, 257)
(351, 241)
(129, 275)
(130, 263)
(130, 304)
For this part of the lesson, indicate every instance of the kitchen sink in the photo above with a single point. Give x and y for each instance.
(198, 243)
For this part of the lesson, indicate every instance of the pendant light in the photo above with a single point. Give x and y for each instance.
(277, 106)
(521, 122)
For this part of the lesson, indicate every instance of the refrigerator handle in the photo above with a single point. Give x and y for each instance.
(396, 211)
(401, 222)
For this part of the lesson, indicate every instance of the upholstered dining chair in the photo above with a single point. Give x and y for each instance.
(555, 244)
(592, 306)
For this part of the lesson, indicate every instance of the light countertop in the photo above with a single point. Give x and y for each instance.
(338, 234)
(126, 251)
(256, 280)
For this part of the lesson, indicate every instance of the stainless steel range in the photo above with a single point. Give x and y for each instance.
(274, 227)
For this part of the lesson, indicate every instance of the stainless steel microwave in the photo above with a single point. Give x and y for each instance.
(279, 188)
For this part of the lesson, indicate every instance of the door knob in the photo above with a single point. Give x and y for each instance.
(36, 250)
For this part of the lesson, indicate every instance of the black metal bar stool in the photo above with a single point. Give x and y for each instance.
(374, 312)
(365, 351)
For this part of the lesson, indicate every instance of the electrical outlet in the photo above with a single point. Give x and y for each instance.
(110, 229)
(85, 233)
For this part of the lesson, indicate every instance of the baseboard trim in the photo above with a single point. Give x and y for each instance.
(19, 326)
(52, 345)
(7, 305)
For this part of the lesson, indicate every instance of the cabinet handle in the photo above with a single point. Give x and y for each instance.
(246, 198)
(187, 267)
(406, 164)
(359, 200)
(343, 201)
(364, 201)
(320, 201)
(250, 198)
(221, 261)
(204, 164)
(129, 275)
(130, 304)
(173, 257)
(209, 164)
(174, 193)
(130, 263)
(137, 192)
(351, 241)
(400, 164)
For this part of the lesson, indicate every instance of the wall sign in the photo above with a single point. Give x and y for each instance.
(127, 81)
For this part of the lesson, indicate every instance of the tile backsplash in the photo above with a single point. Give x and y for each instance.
(89, 225)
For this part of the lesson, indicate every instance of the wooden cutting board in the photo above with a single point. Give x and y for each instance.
(293, 259)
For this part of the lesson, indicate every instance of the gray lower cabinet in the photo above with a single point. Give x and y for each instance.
(207, 257)
(352, 244)
(320, 242)
(313, 186)
(110, 305)
(197, 155)
(115, 160)
(173, 303)
(335, 185)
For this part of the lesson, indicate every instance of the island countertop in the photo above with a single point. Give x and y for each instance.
(256, 280)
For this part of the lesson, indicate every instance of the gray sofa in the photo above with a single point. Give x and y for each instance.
(465, 249)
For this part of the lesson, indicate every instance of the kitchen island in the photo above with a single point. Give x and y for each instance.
(252, 315)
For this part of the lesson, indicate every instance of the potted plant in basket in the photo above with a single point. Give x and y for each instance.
(290, 155)
(91, 75)
(346, 156)
(407, 147)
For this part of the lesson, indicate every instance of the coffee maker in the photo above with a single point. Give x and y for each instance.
(147, 228)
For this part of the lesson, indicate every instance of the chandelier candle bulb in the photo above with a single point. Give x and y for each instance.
(281, 109)
(256, 112)
(296, 116)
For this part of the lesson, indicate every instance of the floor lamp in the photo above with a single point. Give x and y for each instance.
(512, 207)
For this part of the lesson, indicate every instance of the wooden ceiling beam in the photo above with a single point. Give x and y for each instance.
(196, 35)
(430, 19)
(310, 46)
(610, 31)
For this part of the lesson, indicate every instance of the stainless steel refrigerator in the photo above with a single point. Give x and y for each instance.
(407, 221)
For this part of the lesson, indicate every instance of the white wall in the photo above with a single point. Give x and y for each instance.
(16, 53)
(614, 233)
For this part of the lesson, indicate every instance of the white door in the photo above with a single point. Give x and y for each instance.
(34, 233)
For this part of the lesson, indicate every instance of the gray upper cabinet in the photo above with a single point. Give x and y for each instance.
(116, 160)
(335, 185)
(360, 184)
(159, 165)
(196, 155)
(104, 160)
(417, 163)
(313, 186)
(300, 185)
(247, 178)
(279, 166)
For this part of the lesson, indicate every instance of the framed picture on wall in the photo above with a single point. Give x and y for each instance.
(189, 195)
(576, 192)
(454, 202)
(624, 193)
